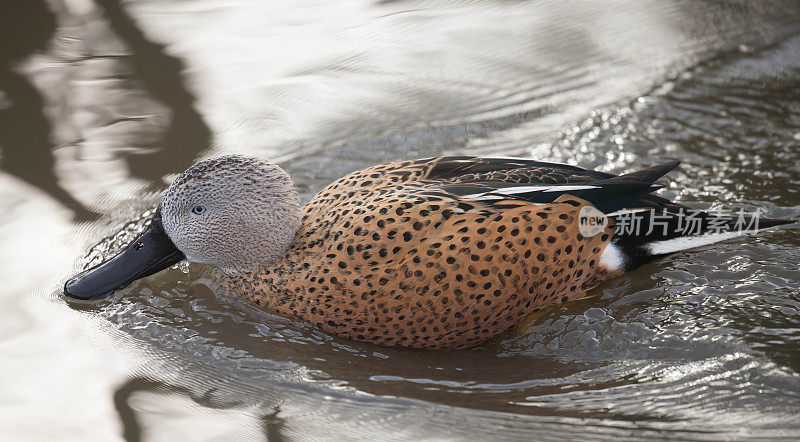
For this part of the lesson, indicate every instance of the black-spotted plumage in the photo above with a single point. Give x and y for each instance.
(446, 252)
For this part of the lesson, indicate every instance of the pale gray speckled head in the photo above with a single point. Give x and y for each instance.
(235, 212)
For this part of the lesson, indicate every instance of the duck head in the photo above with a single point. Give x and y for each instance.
(234, 212)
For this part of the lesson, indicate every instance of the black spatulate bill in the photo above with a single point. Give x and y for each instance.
(150, 253)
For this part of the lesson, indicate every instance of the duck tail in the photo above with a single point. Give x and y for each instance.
(645, 234)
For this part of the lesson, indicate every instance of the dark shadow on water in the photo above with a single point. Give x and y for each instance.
(272, 424)
(25, 27)
(161, 76)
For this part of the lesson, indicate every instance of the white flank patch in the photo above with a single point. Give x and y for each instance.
(687, 242)
(611, 258)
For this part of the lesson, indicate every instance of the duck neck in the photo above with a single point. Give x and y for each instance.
(270, 233)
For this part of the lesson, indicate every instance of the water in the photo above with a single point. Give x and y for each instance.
(104, 102)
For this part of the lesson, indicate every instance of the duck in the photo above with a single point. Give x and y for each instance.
(441, 252)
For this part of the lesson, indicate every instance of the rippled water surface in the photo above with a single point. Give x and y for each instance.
(102, 102)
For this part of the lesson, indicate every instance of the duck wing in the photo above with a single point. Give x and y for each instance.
(493, 181)
(647, 226)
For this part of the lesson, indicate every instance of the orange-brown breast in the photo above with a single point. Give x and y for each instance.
(390, 264)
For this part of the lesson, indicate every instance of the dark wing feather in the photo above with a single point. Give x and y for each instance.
(513, 170)
(606, 196)
(496, 179)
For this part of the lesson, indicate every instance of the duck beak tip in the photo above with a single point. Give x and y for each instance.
(150, 253)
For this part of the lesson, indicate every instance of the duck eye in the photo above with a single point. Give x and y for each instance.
(198, 210)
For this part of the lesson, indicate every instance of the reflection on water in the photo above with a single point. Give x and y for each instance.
(26, 27)
(103, 101)
(160, 76)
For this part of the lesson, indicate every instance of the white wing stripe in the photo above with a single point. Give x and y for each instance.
(568, 188)
(521, 189)
(481, 196)
(627, 212)
(525, 189)
(495, 194)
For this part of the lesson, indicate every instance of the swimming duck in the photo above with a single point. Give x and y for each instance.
(435, 253)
